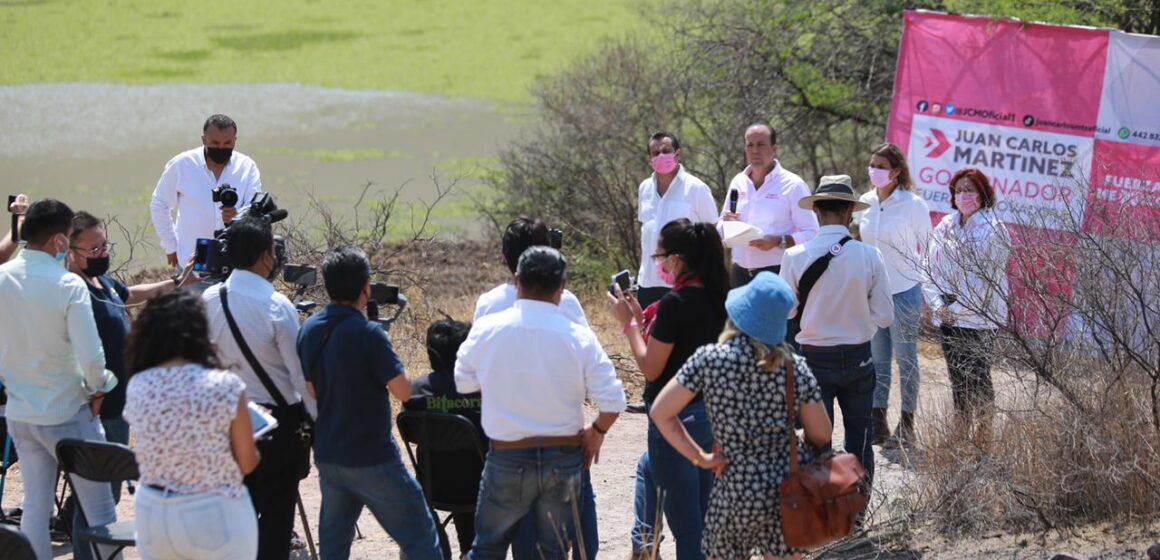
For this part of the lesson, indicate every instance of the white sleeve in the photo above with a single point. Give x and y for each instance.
(932, 270)
(466, 368)
(787, 274)
(286, 339)
(704, 207)
(571, 307)
(604, 387)
(881, 301)
(162, 205)
(805, 222)
(86, 341)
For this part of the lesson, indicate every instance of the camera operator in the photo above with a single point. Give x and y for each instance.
(7, 244)
(352, 368)
(259, 343)
(194, 183)
(53, 367)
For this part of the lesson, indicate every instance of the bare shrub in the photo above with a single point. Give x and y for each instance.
(1075, 434)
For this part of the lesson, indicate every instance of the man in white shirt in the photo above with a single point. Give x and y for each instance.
(53, 367)
(539, 445)
(268, 323)
(840, 313)
(188, 183)
(767, 198)
(521, 234)
(670, 193)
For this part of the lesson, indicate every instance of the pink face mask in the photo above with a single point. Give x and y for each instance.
(666, 277)
(879, 177)
(968, 202)
(664, 163)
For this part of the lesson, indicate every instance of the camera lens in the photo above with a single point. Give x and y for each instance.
(229, 198)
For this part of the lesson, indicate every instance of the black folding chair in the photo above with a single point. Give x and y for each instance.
(100, 461)
(454, 434)
(14, 545)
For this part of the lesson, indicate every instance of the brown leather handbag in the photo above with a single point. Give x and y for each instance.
(821, 501)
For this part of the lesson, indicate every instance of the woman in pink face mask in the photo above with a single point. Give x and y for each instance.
(663, 336)
(898, 224)
(966, 289)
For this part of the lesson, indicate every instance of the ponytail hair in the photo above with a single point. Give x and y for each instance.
(699, 246)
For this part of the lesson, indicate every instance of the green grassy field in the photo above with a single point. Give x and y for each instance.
(478, 48)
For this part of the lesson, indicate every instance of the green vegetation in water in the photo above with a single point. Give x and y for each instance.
(493, 49)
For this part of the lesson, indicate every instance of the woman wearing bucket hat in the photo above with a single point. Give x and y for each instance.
(898, 224)
(662, 337)
(742, 380)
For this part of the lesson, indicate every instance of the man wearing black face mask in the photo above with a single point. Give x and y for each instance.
(91, 252)
(187, 184)
(267, 323)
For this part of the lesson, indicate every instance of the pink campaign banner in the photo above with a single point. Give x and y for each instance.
(1065, 121)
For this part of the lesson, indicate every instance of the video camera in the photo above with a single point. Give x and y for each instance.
(211, 256)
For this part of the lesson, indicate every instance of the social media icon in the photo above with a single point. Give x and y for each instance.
(950, 109)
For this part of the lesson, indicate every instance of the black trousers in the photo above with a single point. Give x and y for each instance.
(273, 485)
(967, 352)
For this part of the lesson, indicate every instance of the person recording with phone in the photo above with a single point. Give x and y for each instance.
(17, 206)
(194, 439)
(206, 186)
(353, 371)
(256, 331)
(690, 257)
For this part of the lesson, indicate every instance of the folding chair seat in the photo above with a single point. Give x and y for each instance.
(100, 461)
(438, 432)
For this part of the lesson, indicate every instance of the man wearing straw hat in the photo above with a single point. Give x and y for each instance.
(843, 298)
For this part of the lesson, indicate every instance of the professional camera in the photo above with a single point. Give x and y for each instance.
(226, 195)
(211, 256)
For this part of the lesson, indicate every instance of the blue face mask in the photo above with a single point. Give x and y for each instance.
(60, 258)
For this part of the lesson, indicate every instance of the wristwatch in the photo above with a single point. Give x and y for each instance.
(783, 244)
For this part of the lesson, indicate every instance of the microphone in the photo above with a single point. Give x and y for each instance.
(277, 215)
(733, 201)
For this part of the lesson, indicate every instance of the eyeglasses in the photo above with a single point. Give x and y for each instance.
(95, 251)
(662, 256)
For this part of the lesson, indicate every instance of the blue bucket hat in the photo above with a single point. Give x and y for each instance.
(761, 307)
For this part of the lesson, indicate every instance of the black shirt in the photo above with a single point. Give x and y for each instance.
(457, 473)
(688, 319)
(113, 328)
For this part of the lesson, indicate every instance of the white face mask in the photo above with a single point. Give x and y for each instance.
(879, 177)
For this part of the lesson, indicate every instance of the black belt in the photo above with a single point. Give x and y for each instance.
(834, 349)
(160, 488)
(776, 269)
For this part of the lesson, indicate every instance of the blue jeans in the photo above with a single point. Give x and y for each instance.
(542, 480)
(36, 445)
(685, 486)
(644, 507)
(524, 545)
(899, 341)
(394, 498)
(846, 373)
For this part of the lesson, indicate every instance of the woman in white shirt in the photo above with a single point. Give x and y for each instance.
(966, 289)
(898, 224)
(194, 439)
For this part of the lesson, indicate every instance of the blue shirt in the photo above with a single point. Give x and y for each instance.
(113, 327)
(353, 428)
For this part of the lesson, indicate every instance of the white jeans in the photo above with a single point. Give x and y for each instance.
(206, 526)
(36, 445)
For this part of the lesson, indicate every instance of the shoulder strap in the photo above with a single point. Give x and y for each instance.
(254, 365)
(812, 274)
(791, 417)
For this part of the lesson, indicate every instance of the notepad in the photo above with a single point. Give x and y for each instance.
(736, 234)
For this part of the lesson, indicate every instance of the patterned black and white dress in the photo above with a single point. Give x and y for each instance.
(747, 409)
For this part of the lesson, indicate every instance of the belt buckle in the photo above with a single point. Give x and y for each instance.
(753, 271)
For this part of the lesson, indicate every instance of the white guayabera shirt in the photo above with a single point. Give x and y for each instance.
(688, 197)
